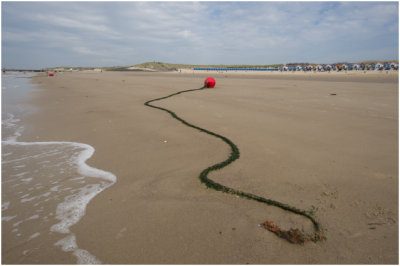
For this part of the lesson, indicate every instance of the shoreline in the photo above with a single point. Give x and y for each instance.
(40, 199)
(159, 212)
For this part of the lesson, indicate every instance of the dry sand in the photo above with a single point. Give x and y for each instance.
(299, 144)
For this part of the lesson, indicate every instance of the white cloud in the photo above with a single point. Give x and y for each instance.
(84, 50)
(79, 24)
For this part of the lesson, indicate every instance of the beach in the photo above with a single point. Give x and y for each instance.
(326, 142)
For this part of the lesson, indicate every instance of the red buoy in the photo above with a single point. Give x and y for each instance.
(209, 82)
(51, 74)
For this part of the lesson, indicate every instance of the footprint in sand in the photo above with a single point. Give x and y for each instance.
(328, 197)
(380, 216)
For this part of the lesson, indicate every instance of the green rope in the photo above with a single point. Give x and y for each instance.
(234, 155)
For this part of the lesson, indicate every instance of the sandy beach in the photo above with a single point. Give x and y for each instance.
(322, 141)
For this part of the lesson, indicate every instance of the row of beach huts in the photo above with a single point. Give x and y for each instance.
(341, 66)
(312, 67)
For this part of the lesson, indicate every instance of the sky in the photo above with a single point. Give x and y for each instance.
(47, 34)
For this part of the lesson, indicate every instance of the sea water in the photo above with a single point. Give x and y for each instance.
(46, 186)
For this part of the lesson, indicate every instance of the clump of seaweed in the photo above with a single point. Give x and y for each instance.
(294, 235)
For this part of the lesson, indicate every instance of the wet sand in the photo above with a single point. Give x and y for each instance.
(315, 140)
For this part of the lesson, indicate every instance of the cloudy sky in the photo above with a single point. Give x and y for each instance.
(48, 34)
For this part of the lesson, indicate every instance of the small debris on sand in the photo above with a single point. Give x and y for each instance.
(294, 236)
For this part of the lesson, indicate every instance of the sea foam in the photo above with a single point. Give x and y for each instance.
(30, 172)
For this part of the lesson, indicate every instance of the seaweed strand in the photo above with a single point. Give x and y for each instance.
(292, 235)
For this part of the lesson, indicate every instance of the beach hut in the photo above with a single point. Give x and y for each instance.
(372, 66)
(327, 67)
(394, 66)
(379, 66)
